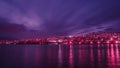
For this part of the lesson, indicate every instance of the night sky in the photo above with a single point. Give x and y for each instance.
(48, 18)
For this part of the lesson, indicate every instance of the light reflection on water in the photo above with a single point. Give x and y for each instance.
(60, 56)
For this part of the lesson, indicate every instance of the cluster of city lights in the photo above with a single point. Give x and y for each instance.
(91, 38)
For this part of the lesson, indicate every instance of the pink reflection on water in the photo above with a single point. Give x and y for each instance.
(113, 56)
(91, 53)
(71, 56)
(99, 56)
(91, 56)
(26, 60)
(117, 55)
(60, 56)
(85, 55)
(37, 56)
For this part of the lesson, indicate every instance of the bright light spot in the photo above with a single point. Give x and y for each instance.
(115, 36)
(60, 40)
(91, 42)
(116, 42)
(111, 38)
(108, 42)
(71, 42)
(98, 42)
(70, 36)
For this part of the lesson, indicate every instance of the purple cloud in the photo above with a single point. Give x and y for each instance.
(54, 18)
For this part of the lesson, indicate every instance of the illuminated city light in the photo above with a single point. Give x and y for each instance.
(111, 38)
(91, 42)
(92, 38)
(107, 42)
(71, 42)
(70, 36)
(116, 41)
(80, 43)
(98, 42)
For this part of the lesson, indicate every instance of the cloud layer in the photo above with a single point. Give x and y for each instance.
(61, 17)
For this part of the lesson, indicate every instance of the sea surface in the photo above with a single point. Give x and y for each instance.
(60, 56)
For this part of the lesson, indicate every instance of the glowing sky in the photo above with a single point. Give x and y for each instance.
(43, 18)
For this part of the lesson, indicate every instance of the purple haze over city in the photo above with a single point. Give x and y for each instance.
(48, 18)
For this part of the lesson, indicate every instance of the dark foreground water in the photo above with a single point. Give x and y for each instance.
(60, 56)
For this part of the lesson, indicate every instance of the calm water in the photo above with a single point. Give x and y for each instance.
(60, 56)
